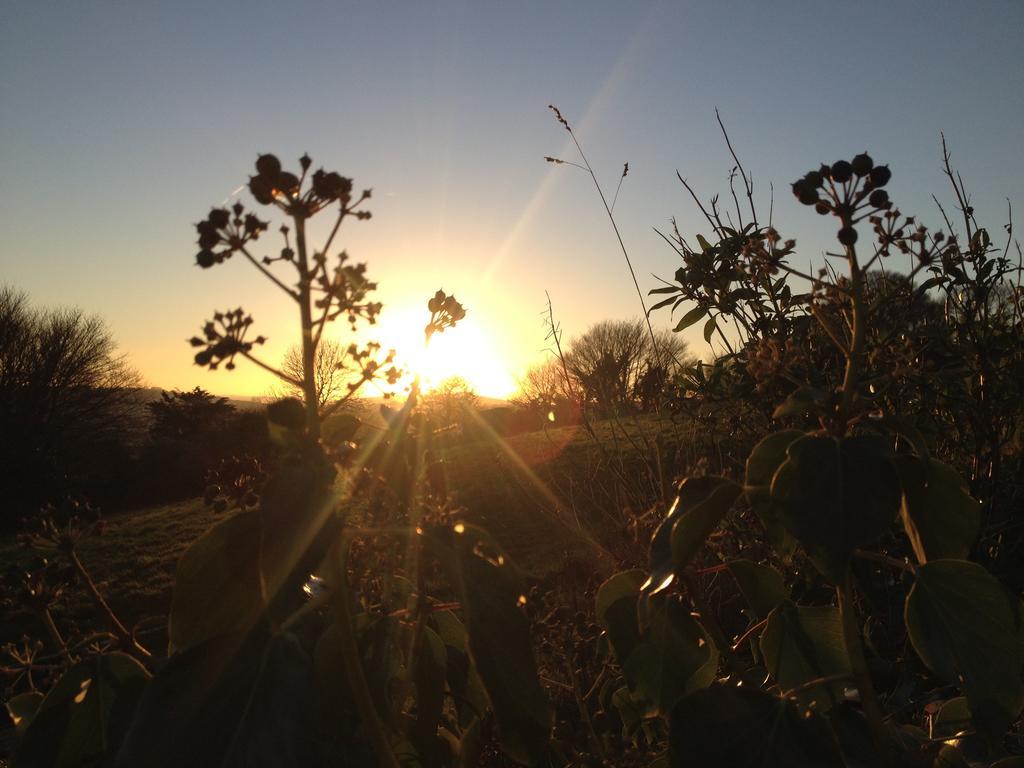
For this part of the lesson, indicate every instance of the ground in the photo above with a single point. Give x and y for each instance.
(547, 496)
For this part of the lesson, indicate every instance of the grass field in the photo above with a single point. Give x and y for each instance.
(548, 496)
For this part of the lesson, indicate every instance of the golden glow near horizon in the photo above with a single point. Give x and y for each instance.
(468, 350)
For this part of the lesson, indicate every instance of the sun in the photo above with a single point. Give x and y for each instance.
(467, 350)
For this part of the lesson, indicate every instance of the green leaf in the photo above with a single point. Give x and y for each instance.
(696, 522)
(429, 679)
(805, 643)
(217, 590)
(691, 493)
(616, 611)
(704, 244)
(671, 656)
(194, 703)
(968, 630)
(952, 719)
(85, 716)
(835, 496)
(908, 429)
(747, 728)
(499, 637)
(22, 708)
(632, 710)
(297, 528)
(662, 303)
(690, 318)
(709, 328)
(761, 585)
(675, 656)
(800, 401)
(274, 729)
(463, 680)
(762, 464)
(940, 517)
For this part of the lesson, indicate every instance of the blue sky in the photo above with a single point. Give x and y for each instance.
(121, 123)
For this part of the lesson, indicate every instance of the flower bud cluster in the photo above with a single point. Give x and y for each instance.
(223, 338)
(445, 312)
(844, 189)
(228, 231)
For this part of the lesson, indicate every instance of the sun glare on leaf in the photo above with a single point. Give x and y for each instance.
(467, 351)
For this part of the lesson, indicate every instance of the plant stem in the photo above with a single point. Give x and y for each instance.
(354, 667)
(308, 344)
(856, 351)
(58, 639)
(859, 667)
(119, 629)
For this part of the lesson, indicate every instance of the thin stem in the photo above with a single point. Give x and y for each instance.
(268, 274)
(308, 344)
(878, 557)
(354, 672)
(749, 633)
(119, 629)
(858, 664)
(748, 185)
(271, 369)
(618, 235)
(58, 639)
(818, 681)
(856, 351)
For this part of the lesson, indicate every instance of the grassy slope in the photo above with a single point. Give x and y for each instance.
(538, 493)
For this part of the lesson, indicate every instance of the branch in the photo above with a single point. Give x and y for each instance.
(267, 273)
(271, 369)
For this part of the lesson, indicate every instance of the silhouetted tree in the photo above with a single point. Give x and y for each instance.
(449, 402)
(330, 373)
(66, 398)
(188, 415)
(614, 356)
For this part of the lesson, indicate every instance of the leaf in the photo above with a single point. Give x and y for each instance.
(217, 590)
(906, 427)
(617, 612)
(940, 517)
(194, 703)
(631, 710)
(704, 244)
(274, 728)
(690, 318)
(297, 528)
(675, 656)
(463, 680)
(22, 708)
(800, 401)
(835, 496)
(968, 630)
(85, 716)
(429, 679)
(747, 728)
(662, 303)
(805, 643)
(761, 585)
(764, 460)
(709, 328)
(696, 522)
(499, 637)
(953, 718)
(690, 493)
(671, 656)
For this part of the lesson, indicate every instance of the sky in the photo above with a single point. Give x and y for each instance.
(122, 123)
